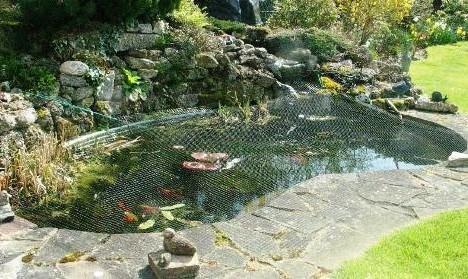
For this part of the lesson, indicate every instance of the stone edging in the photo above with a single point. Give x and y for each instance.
(307, 231)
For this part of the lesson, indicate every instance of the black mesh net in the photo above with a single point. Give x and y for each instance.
(186, 167)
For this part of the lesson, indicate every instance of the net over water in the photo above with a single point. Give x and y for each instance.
(207, 166)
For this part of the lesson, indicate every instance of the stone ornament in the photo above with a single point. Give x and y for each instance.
(178, 259)
(6, 213)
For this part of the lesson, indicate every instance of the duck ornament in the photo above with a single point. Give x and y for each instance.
(6, 213)
(178, 258)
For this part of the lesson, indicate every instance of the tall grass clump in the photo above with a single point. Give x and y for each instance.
(41, 171)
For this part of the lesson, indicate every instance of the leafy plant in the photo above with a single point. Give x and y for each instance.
(303, 13)
(29, 76)
(228, 26)
(363, 16)
(134, 86)
(189, 13)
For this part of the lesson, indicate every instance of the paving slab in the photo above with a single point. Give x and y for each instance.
(311, 227)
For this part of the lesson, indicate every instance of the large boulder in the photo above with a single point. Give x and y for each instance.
(247, 11)
(225, 9)
(74, 68)
(436, 106)
(250, 11)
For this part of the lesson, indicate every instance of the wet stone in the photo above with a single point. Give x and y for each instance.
(248, 241)
(128, 246)
(203, 238)
(86, 269)
(289, 201)
(264, 273)
(293, 268)
(258, 224)
(226, 257)
(30, 271)
(305, 222)
(66, 242)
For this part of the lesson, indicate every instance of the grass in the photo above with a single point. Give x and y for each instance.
(445, 70)
(435, 248)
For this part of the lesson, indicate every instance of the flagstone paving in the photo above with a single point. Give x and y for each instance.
(305, 232)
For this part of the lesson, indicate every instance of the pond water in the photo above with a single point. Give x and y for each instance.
(297, 140)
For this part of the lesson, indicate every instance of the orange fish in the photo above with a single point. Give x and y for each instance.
(130, 217)
(148, 209)
(123, 206)
(170, 194)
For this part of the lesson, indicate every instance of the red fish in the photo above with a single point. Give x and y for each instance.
(123, 206)
(148, 209)
(170, 194)
(129, 217)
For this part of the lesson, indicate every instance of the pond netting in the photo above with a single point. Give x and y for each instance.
(186, 167)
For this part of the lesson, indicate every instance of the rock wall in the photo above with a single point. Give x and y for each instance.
(247, 11)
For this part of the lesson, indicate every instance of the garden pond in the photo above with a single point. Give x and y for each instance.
(145, 187)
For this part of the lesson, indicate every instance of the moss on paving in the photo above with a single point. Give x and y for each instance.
(435, 248)
(444, 70)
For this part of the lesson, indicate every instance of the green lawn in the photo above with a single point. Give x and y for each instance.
(436, 248)
(445, 70)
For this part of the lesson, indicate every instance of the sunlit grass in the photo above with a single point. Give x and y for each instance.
(445, 70)
(436, 248)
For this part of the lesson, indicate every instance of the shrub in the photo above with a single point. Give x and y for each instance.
(435, 30)
(189, 13)
(31, 76)
(303, 14)
(53, 14)
(391, 41)
(331, 85)
(228, 26)
(363, 16)
(40, 172)
(322, 43)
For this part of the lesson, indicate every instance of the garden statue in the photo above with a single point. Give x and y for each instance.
(6, 214)
(178, 259)
(176, 244)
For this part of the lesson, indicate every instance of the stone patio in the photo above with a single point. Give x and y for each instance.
(306, 232)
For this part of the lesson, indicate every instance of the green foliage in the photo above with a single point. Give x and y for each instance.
(29, 76)
(135, 88)
(228, 26)
(363, 17)
(390, 41)
(53, 13)
(303, 14)
(72, 14)
(188, 13)
(322, 43)
(100, 42)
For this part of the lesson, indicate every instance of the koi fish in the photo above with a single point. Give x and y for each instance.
(148, 209)
(129, 217)
(123, 206)
(170, 194)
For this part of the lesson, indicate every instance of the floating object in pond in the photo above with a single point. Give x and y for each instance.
(130, 217)
(147, 225)
(200, 166)
(206, 157)
(299, 159)
(148, 209)
(123, 206)
(176, 244)
(291, 130)
(170, 194)
(232, 163)
(178, 147)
